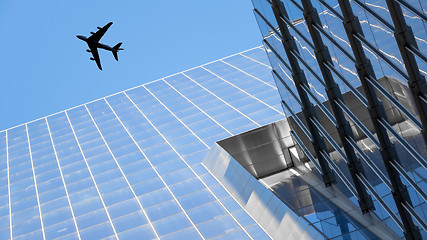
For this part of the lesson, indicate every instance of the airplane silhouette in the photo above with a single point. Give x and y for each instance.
(94, 44)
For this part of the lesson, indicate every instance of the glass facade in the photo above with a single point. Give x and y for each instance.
(326, 127)
(128, 166)
(357, 69)
(279, 220)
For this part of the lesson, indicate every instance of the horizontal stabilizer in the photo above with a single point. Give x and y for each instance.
(116, 49)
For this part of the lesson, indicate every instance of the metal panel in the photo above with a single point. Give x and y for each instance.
(261, 151)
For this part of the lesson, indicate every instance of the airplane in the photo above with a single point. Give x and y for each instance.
(94, 44)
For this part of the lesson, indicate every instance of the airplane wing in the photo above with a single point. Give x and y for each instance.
(94, 51)
(98, 35)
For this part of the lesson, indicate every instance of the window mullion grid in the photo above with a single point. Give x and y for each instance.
(376, 112)
(222, 100)
(191, 131)
(414, 214)
(35, 181)
(328, 64)
(402, 171)
(384, 92)
(322, 107)
(332, 163)
(325, 155)
(289, 23)
(120, 169)
(210, 117)
(395, 102)
(375, 15)
(381, 202)
(287, 87)
(340, 174)
(62, 178)
(417, 82)
(298, 75)
(299, 122)
(404, 143)
(241, 54)
(412, 9)
(379, 87)
(386, 59)
(316, 76)
(151, 164)
(359, 124)
(240, 70)
(362, 39)
(250, 95)
(206, 186)
(311, 16)
(294, 52)
(330, 140)
(91, 175)
(417, 52)
(420, 81)
(275, 31)
(370, 163)
(367, 204)
(289, 109)
(334, 12)
(307, 90)
(189, 167)
(306, 151)
(334, 42)
(356, 93)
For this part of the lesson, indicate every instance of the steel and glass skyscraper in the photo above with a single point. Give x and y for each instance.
(351, 75)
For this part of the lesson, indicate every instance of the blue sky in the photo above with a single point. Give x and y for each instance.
(44, 68)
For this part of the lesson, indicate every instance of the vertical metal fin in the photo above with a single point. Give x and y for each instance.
(308, 110)
(377, 115)
(405, 40)
(334, 94)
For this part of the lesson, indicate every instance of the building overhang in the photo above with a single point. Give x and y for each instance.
(272, 157)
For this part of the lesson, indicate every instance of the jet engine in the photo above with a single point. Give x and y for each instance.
(88, 50)
(92, 33)
(93, 59)
(98, 27)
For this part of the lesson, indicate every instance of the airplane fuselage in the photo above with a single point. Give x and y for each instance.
(104, 46)
(97, 44)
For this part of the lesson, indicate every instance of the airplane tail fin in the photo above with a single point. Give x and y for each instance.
(116, 49)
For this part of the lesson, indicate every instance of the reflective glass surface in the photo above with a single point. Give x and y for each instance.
(129, 165)
(380, 46)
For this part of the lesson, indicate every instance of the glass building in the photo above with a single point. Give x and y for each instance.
(128, 166)
(318, 134)
(351, 76)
